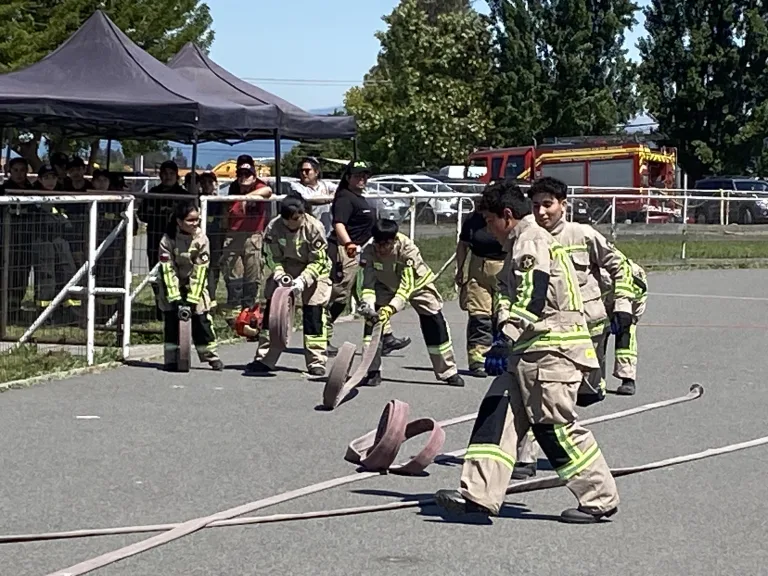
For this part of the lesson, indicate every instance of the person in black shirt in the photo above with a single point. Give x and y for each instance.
(156, 213)
(478, 287)
(22, 239)
(353, 219)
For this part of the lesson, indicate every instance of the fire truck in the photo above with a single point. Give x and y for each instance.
(622, 164)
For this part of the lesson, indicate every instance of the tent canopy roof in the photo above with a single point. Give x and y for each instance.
(100, 83)
(210, 78)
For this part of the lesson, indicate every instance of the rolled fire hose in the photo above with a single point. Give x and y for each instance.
(280, 321)
(338, 386)
(229, 517)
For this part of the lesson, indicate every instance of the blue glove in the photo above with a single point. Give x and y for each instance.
(496, 357)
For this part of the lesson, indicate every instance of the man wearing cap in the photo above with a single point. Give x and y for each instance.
(244, 240)
(22, 246)
(353, 218)
(155, 212)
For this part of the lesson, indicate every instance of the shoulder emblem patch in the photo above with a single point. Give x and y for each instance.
(318, 244)
(527, 262)
(409, 262)
(204, 257)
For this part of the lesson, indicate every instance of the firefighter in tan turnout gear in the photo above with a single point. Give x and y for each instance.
(478, 286)
(392, 274)
(295, 245)
(625, 331)
(592, 257)
(546, 344)
(184, 256)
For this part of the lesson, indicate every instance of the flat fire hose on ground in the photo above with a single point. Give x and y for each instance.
(229, 517)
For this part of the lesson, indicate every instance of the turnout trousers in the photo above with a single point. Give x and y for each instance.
(434, 329)
(537, 393)
(244, 247)
(314, 302)
(625, 346)
(344, 278)
(203, 336)
(591, 391)
(476, 297)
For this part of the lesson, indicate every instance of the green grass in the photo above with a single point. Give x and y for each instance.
(28, 361)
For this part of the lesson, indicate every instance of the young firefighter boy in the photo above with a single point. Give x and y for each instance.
(547, 349)
(392, 274)
(625, 348)
(184, 256)
(295, 245)
(592, 256)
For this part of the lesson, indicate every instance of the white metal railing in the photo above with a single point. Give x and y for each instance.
(464, 205)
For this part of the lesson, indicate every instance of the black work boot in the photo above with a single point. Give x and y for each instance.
(217, 365)
(257, 367)
(455, 380)
(390, 344)
(579, 516)
(477, 369)
(524, 470)
(372, 379)
(316, 371)
(170, 367)
(627, 387)
(452, 501)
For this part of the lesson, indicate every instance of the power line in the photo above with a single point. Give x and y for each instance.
(312, 81)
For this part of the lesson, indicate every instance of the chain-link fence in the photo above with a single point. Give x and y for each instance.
(68, 260)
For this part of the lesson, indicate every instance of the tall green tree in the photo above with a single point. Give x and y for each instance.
(425, 103)
(518, 87)
(703, 77)
(590, 80)
(33, 29)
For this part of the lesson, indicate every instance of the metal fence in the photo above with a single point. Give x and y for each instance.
(68, 261)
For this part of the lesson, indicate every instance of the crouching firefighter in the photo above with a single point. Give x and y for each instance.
(184, 257)
(592, 257)
(624, 325)
(295, 245)
(392, 274)
(546, 343)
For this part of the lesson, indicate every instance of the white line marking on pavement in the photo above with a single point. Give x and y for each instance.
(713, 296)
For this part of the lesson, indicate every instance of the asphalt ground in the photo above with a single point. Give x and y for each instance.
(169, 448)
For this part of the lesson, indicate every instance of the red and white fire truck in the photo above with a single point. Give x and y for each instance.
(594, 165)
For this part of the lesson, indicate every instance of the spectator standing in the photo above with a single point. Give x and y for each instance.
(246, 222)
(317, 192)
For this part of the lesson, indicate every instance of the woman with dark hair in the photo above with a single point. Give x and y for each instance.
(353, 219)
(184, 257)
(316, 193)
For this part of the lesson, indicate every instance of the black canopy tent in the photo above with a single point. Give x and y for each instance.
(210, 78)
(99, 83)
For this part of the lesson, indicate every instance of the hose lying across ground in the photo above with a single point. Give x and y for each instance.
(364, 446)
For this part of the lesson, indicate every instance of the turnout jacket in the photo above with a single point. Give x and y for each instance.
(399, 276)
(184, 263)
(539, 305)
(302, 253)
(592, 257)
(638, 287)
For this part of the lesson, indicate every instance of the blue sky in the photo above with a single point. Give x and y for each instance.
(323, 49)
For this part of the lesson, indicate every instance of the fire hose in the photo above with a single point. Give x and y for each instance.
(229, 517)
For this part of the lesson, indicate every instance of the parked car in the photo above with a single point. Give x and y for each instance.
(427, 210)
(754, 210)
(391, 208)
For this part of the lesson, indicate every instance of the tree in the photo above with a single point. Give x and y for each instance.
(425, 103)
(518, 87)
(31, 30)
(589, 77)
(703, 78)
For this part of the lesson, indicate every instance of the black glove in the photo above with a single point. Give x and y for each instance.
(620, 322)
